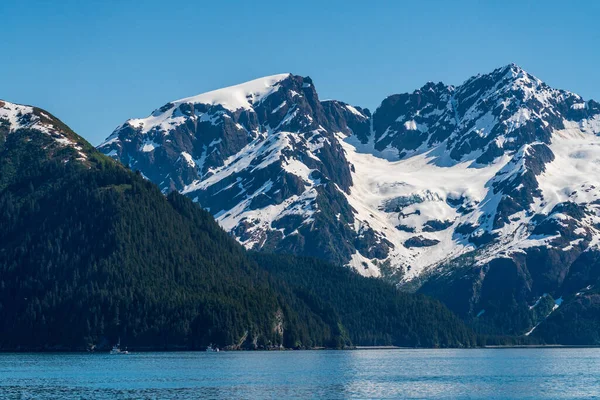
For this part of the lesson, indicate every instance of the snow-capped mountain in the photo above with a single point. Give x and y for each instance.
(483, 194)
(261, 156)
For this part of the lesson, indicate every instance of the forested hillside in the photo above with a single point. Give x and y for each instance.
(373, 311)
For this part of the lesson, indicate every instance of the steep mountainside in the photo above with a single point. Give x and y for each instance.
(484, 195)
(91, 252)
(262, 157)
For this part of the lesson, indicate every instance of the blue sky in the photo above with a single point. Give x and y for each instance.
(95, 64)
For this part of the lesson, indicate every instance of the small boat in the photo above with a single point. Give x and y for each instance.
(117, 349)
(212, 349)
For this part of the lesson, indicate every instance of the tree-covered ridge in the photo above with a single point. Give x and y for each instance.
(93, 253)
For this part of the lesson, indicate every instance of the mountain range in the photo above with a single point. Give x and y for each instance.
(483, 195)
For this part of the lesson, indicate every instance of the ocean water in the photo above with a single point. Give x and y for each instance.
(383, 374)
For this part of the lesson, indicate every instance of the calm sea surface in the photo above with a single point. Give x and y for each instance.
(449, 374)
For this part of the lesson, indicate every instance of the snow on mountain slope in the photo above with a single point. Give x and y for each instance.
(233, 98)
(402, 198)
(245, 95)
(16, 117)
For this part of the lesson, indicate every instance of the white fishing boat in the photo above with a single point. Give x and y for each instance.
(117, 349)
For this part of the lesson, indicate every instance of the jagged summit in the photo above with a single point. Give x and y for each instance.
(510, 78)
(508, 71)
(478, 120)
(244, 96)
(431, 86)
(510, 67)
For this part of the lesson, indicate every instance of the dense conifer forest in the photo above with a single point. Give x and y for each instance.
(372, 311)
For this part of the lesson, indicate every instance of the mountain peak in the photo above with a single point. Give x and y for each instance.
(431, 86)
(516, 74)
(243, 96)
(238, 96)
(512, 67)
(17, 117)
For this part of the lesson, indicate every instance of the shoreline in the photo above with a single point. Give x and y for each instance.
(355, 348)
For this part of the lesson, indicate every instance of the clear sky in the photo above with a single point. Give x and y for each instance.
(95, 64)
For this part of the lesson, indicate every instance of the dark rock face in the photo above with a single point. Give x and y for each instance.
(405, 228)
(420, 241)
(436, 225)
(401, 119)
(348, 119)
(519, 190)
(372, 245)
